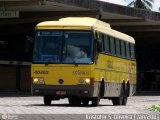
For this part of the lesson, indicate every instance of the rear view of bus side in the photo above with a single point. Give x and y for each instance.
(82, 59)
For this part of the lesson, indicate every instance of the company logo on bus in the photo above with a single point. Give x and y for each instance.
(41, 72)
(78, 72)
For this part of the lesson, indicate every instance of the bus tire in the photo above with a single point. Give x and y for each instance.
(128, 89)
(118, 100)
(47, 100)
(95, 100)
(78, 102)
(125, 94)
(74, 101)
(102, 89)
(85, 102)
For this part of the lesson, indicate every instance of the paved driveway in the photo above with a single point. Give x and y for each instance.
(34, 105)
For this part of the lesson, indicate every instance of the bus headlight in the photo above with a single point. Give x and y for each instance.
(38, 80)
(89, 81)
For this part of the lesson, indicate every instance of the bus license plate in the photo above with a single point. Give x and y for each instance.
(60, 92)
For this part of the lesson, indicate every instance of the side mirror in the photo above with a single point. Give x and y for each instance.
(28, 42)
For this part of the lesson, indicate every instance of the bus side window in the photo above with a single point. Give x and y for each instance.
(112, 43)
(132, 51)
(127, 50)
(107, 44)
(100, 43)
(115, 47)
(118, 50)
(123, 49)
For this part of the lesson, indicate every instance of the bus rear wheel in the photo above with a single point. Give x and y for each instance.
(47, 100)
(122, 99)
(125, 95)
(118, 100)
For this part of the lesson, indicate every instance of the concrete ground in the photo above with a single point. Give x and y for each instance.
(27, 106)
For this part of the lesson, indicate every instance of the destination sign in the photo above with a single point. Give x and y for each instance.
(9, 14)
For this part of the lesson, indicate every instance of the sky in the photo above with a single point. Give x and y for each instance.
(156, 4)
(121, 2)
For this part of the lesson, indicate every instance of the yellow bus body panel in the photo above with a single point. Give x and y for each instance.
(71, 74)
(114, 69)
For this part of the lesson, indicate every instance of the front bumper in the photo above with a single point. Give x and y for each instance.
(66, 90)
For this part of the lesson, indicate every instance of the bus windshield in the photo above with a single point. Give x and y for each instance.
(63, 47)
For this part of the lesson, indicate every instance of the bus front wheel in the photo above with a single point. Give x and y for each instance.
(74, 101)
(95, 101)
(71, 101)
(85, 102)
(47, 100)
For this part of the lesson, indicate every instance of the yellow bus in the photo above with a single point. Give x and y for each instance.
(82, 59)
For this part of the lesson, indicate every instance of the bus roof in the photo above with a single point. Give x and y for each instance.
(83, 23)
